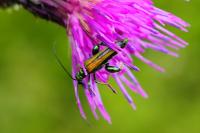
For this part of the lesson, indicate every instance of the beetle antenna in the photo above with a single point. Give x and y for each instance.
(60, 63)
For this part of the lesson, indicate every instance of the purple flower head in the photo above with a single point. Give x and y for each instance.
(91, 22)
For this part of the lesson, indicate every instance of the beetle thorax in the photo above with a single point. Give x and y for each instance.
(80, 75)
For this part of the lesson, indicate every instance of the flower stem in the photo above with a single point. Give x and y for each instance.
(38, 8)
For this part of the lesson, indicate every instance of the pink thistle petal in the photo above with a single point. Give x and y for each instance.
(89, 22)
(125, 93)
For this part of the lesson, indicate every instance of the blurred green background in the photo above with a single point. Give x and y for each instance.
(37, 97)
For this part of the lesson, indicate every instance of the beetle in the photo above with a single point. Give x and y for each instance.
(96, 62)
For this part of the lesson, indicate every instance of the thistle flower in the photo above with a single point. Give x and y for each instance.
(89, 22)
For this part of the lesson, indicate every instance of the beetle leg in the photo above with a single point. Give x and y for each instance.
(95, 49)
(102, 83)
(112, 69)
(102, 43)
